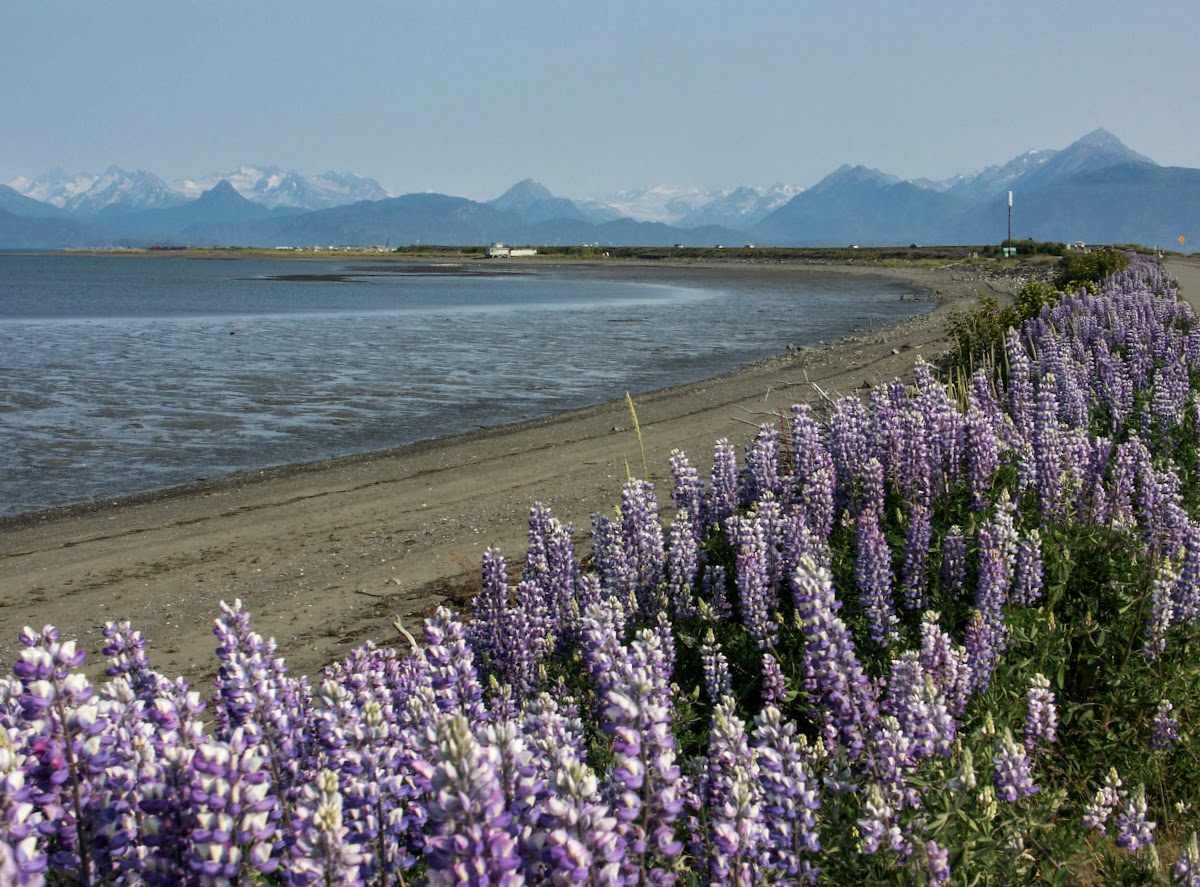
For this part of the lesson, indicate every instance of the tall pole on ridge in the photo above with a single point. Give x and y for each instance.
(1010, 218)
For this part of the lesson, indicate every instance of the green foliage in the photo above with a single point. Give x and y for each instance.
(1080, 268)
(978, 334)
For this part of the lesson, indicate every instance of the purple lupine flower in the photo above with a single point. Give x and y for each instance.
(920, 708)
(873, 487)
(717, 681)
(642, 539)
(848, 444)
(914, 469)
(916, 557)
(1134, 831)
(470, 842)
(1028, 572)
(983, 644)
(234, 809)
(877, 826)
(321, 853)
(1096, 813)
(723, 488)
(757, 598)
(1186, 596)
(683, 565)
(581, 844)
(953, 575)
(1020, 385)
(453, 678)
(688, 492)
(644, 781)
(818, 501)
(716, 591)
(946, 664)
(1047, 449)
(834, 678)
(774, 683)
(939, 862)
(762, 464)
(873, 572)
(790, 799)
(616, 571)
(1162, 611)
(1186, 870)
(1041, 715)
(1013, 770)
(1164, 729)
(734, 801)
(983, 457)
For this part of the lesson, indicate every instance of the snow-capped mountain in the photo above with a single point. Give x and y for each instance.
(741, 208)
(273, 187)
(661, 203)
(89, 193)
(116, 189)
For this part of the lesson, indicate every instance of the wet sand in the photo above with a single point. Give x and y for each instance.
(325, 555)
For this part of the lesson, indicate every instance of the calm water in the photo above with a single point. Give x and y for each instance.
(120, 375)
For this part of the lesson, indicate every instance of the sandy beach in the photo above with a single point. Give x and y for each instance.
(325, 555)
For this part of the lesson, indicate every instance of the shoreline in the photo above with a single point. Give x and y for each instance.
(324, 554)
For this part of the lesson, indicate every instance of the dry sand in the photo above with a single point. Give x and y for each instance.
(325, 555)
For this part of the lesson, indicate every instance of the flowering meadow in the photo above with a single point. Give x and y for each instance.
(938, 633)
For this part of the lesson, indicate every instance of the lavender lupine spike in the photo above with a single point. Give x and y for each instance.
(452, 667)
(1098, 810)
(757, 598)
(688, 492)
(581, 844)
(819, 502)
(790, 799)
(953, 575)
(916, 557)
(1014, 773)
(873, 487)
(1161, 611)
(1134, 831)
(1186, 869)
(723, 497)
(642, 539)
(983, 457)
(939, 862)
(834, 678)
(1186, 595)
(470, 842)
(848, 427)
(946, 664)
(683, 565)
(1164, 728)
(762, 464)
(920, 708)
(644, 781)
(488, 631)
(873, 573)
(323, 855)
(718, 683)
(773, 681)
(737, 825)
(1028, 571)
(1041, 715)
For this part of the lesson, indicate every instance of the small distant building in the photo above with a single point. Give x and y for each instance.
(501, 251)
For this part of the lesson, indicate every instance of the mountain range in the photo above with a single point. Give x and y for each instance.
(1095, 190)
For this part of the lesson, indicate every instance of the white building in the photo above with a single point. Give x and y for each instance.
(500, 251)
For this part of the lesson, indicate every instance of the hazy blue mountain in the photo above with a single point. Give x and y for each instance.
(1095, 190)
(20, 205)
(532, 202)
(39, 232)
(857, 205)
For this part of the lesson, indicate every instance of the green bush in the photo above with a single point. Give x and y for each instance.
(1078, 269)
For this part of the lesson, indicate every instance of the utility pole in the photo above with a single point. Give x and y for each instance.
(1010, 218)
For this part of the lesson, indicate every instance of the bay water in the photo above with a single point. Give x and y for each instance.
(124, 374)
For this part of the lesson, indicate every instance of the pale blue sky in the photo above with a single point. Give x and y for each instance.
(467, 98)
